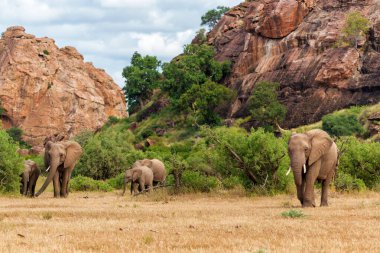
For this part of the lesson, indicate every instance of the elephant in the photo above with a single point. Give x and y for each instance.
(313, 156)
(157, 167)
(29, 178)
(139, 176)
(61, 158)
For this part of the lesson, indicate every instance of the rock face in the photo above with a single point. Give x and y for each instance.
(47, 90)
(293, 42)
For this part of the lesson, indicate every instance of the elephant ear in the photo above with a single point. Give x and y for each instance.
(73, 153)
(147, 162)
(136, 174)
(320, 144)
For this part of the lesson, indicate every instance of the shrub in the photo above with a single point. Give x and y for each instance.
(231, 182)
(81, 183)
(342, 124)
(83, 137)
(293, 214)
(16, 134)
(197, 182)
(116, 182)
(258, 158)
(46, 52)
(11, 164)
(345, 182)
(107, 154)
(361, 160)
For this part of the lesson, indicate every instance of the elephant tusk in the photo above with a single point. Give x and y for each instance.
(48, 168)
(290, 168)
(304, 168)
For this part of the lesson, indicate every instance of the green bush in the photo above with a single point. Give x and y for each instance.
(360, 160)
(231, 182)
(11, 164)
(83, 137)
(16, 134)
(107, 154)
(258, 158)
(116, 182)
(345, 182)
(293, 214)
(197, 182)
(342, 124)
(81, 183)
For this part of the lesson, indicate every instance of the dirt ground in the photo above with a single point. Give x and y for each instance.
(107, 222)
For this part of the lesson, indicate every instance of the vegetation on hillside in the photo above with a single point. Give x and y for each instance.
(355, 28)
(212, 17)
(11, 164)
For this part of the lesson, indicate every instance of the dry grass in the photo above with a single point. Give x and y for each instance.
(107, 222)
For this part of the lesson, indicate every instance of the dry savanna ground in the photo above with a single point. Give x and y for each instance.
(107, 222)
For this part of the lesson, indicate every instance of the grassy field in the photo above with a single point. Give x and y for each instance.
(107, 222)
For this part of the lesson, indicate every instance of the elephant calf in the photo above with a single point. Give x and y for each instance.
(29, 178)
(157, 167)
(140, 177)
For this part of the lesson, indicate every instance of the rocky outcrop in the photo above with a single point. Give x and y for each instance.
(47, 90)
(293, 42)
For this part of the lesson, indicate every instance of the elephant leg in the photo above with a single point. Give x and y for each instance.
(325, 187)
(311, 176)
(56, 184)
(64, 183)
(135, 188)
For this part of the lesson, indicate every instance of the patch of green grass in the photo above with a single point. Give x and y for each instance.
(47, 216)
(293, 214)
(148, 239)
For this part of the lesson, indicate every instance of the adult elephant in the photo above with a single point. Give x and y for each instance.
(313, 155)
(60, 159)
(157, 167)
(29, 178)
(140, 177)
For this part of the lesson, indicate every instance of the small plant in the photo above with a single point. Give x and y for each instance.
(47, 216)
(148, 239)
(50, 85)
(293, 214)
(46, 52)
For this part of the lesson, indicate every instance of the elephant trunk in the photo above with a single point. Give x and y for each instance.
(298, 164)
(53, 169)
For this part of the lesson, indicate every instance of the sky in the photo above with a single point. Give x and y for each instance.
(108, 32)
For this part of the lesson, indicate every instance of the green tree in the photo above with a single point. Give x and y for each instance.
(195, 66)
(355, 27)
(264, 105)
(11, 164)
(342, 125)
(141, 77)
(1, 108)
(207, 101)
(212, 17)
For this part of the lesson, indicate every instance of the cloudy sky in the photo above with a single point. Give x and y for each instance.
(107, 32)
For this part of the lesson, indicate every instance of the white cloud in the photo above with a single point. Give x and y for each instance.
(166, 46)
(127, 3)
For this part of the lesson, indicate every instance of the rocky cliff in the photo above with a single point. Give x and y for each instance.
(47, 90)
(293, 42)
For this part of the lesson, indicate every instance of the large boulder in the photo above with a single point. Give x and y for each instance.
(47, 90)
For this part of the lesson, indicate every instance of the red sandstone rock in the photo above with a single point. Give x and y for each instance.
(47, 90)
(293, 43)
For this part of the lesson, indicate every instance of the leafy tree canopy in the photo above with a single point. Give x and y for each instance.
(194, 66)
(207, 101)
(212, 17)
(264, 105)
(141, 77)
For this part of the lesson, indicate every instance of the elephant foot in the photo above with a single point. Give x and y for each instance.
(308, 204)
(324, 203)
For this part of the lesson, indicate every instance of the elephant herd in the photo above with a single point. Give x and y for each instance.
(313, 156)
